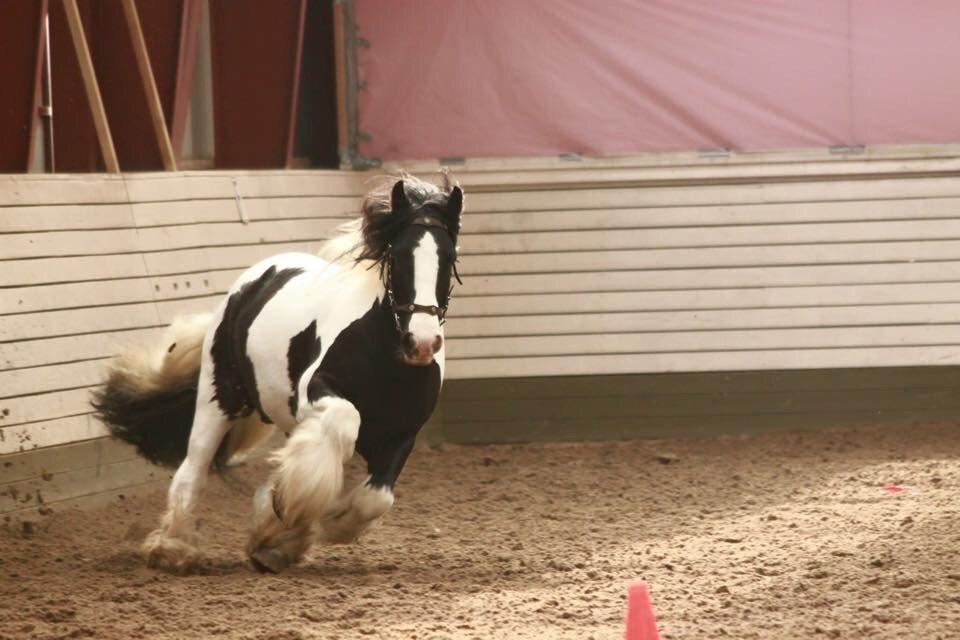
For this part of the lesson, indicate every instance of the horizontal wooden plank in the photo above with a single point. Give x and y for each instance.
(70, 484)
(64, 216)
(20, 189)
(17, 273)
(739, 194)
(156, 214)
(714, 278)
(44, 406)
(208, 283)
(752, 298)
(95, 322)
(710, 257)
(709, 320)
(713, 215)
(82, 294)
(234, 233)
(170, 309)
(219, 258)
(47, 350)
(871, 160)
(68, 243)
(77, 295)
(746, 236)
(470, 303)
(66, 457)
(50, 378)
(27, 437)
(711, 361)
(571, 173)
(259, 184)
(791, 160)
(65, 243)
(74, 321)
(113, 241)
(565, 313)
(799, 382)
(683, 342)
(92, 501)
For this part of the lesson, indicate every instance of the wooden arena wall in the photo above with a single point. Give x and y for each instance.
(92, 264)
(602, 299)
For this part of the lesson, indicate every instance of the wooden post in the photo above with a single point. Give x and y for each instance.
(89, 77)
(149, 85)
(295, 91)
(50, 161)
(38, 77)
(340, 51)
(190, 19)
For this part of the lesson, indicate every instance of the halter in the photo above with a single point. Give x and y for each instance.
(422, 220)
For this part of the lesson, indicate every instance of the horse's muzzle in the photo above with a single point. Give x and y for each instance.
(420, 352)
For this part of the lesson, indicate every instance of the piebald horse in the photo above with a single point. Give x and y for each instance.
(343, 351)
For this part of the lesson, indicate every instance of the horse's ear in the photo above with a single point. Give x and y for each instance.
(398, 198)
(455, 207)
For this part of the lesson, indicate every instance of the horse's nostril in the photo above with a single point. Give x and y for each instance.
(409, 343)
(438, 344)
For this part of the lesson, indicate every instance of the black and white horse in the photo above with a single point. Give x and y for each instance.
(343, 351)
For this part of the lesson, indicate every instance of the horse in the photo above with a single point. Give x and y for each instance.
(343, 351)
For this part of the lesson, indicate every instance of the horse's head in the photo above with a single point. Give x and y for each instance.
(414, 238)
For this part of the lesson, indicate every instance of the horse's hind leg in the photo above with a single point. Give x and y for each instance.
(173, 545)
(304, 485)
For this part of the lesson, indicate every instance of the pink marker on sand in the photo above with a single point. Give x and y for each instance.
(641, 623)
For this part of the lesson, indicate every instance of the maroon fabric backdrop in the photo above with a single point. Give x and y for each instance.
(533, 77)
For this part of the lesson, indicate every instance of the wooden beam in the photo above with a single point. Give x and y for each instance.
(339, 43)
(295, 83)
(37, 83)
(46, 94)
(149, 85)
(90, 86)
(191, 17)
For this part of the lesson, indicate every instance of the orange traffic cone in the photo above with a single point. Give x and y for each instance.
(641, 623)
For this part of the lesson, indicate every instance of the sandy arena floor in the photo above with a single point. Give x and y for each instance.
(779, 536)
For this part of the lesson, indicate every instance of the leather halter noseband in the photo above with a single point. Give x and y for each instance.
(422, 220)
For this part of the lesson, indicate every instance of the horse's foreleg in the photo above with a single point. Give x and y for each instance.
(359, 509)
(362, 506)
(173, 545)
(305, 484)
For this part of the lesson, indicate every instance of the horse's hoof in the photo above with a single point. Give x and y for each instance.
(170, 554)
(269, 560)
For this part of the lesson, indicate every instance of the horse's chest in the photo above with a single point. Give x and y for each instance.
(361, 366)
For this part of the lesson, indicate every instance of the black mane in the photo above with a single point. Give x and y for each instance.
(381, 225)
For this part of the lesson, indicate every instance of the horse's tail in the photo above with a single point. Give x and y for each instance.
(149, 396)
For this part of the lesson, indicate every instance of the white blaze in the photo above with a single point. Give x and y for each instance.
(426, 268)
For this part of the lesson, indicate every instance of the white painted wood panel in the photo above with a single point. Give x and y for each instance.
(707, 215)
(851, 275)
(612, 269)
(564, 365)
(679, 342)
(711, 257)
(35, 435)
(728, 194)
(744, 299)
(59, 217)
(706, 320)
(23, 354)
